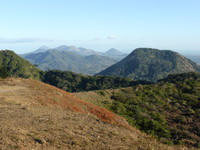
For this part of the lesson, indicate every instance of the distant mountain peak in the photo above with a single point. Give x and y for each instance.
(113, 51)
(41, 49)
(62, 47)
(44, 47)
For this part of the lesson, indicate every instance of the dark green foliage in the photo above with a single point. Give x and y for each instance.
(73, 82)
(11, 65)
(174, 78)
(169, 110)
(3, 72)
(151, 64)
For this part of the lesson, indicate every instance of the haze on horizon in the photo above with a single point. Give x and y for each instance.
(101, 25)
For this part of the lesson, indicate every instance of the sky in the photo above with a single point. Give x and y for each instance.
(25, 25)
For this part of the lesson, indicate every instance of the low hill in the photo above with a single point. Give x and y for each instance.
(35, 115)
(169, 110)
(13, 65)
(70, 61)
(151, 64)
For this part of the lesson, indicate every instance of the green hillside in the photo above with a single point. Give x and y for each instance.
(169, 110)
(151, 64)
(12, 65)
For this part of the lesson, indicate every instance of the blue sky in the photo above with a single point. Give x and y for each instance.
(26, 25)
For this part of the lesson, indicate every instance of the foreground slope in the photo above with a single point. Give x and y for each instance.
(151, 64)
(38, 116)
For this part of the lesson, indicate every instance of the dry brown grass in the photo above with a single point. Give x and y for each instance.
(34, 115)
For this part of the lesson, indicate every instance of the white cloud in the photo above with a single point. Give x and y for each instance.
(23, 40)
(111, 37)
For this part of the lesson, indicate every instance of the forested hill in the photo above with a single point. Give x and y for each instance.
(151, 64)
(13, 65)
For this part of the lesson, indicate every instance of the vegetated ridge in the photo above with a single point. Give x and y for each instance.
(169, 110)
(151, 64)
(13, 65)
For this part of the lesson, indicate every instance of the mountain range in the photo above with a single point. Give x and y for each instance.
(67, 60)
(70, 58)
(113, 53)
(151, 64)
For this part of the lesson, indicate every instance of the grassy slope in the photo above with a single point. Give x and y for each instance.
(35, 115)
(170, 111)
